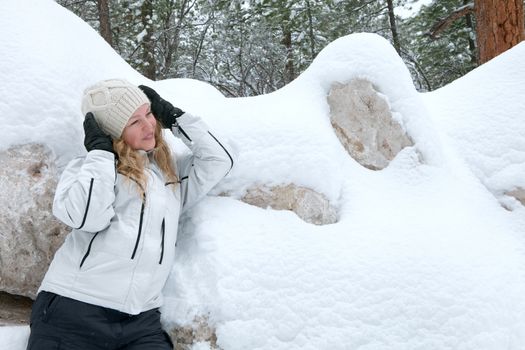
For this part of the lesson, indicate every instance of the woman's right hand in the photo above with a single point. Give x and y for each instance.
(96, 138)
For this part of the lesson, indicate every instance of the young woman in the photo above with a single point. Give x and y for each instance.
(123, 201)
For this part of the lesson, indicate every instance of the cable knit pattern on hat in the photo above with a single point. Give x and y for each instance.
(113, 102)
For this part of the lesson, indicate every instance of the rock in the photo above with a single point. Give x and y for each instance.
(14, 309)
(518, 193)
(309, 205)
(200, 331)
(363, 123)
(29, 234)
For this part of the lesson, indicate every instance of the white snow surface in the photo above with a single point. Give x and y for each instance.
(423, 255)
(411, 8)
(483, 114)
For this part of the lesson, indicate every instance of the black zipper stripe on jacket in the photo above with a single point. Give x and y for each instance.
(183, 178)
(140, 230)
(183, 132)
(231, 159)
(89, 249)
(162, 243)
(141, 214)
(116, 168)
(87, 204)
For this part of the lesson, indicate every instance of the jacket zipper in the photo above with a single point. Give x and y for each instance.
(162, 243)
(140, 228)
(87, 204)
(182, 130)
(88, 249)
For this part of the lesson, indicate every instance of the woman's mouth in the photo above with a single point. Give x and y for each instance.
(149, 136)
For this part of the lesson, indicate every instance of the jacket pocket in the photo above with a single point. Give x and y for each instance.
(50, 306)
(140, 228)
(88, 249)
(162, 229)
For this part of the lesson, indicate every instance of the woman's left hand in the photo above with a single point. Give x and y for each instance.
(163, 110)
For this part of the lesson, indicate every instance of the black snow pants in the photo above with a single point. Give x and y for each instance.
(62, 323)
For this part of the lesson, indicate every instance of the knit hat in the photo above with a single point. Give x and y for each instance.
(113, 102)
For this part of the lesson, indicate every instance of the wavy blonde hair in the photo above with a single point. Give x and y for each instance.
(131, 164)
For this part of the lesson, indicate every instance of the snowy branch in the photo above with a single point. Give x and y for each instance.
(447, 21)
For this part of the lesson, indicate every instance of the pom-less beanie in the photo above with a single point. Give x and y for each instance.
(113, 102)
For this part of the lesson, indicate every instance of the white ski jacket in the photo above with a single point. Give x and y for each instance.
(121, 248)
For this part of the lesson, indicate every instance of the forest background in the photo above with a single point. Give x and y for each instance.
(253, 47)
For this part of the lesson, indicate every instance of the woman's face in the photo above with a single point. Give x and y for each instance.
(139, 132)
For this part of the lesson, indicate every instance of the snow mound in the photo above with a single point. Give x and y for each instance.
(483, 113)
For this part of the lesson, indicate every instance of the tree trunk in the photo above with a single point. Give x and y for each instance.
(148, 45)
(393, 26)
(471, 42)
(289, 73)
(311, 30)
(499, 26)
(103, 18)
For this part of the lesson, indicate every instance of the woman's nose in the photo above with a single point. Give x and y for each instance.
(152, 122)
(147, 125)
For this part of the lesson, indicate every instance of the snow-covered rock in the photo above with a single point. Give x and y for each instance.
(364, 124)
(199, 332)
(29, 234)
(518, 193)
(309, 205)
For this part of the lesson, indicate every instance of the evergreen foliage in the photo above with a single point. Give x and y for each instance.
(252, 47)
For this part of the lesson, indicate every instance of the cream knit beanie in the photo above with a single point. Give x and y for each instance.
(113, 102)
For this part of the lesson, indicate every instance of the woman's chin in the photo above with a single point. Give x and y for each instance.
(150, 146)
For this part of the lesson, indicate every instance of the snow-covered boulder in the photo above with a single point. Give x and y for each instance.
(364, 124)
(29, 234)
(518, 193)
(186, 337)
(309, 205)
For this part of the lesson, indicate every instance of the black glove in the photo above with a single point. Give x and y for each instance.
(164, 111)
(95, 138)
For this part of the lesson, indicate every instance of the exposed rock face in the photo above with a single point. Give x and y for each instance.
(309, 205)
(14, 309)
(363, 123)
(518, 193)
(29, 234)
(185, 337)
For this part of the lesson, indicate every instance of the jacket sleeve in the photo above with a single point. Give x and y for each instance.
(209, 163)
(85, 193)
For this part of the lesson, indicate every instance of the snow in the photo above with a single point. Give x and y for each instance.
(14, 337)
(423, 255)
(411, 8)
(483, 113)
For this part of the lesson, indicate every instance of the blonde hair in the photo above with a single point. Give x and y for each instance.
(131, 164)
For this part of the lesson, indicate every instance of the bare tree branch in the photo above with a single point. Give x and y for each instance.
(447, 21)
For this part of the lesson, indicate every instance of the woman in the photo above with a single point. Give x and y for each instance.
(123, 201)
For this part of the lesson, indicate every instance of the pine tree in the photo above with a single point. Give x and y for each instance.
(104, 20)
(499, 26)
